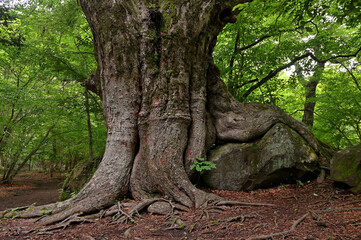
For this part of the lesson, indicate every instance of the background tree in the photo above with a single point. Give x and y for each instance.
(43, 107)
(277, 37)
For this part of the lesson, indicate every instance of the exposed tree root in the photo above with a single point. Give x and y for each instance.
(294, 225)
(239, 122)
(240, 218)
(122, 213)
(119, 215)
(67, 222)
(72, 220)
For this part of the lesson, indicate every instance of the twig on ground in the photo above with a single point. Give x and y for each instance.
(349, 203)
(128, 233)
(288, 197)
(243, 203)
(319, 220)
(259, 225)
(215, 230)
(338, 210)
(177, 223)
(294, 225)
(240, 218)
(275, 221)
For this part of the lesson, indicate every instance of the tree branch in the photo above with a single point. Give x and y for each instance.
(337, 127)
(296, 59)
(253, 44)
(233, 3)
(41, 143)
(268, 36)
(351, 74)
(343, 56)
(244, 84)
(274, 73)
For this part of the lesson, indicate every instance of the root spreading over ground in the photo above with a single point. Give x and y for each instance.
(311, 211)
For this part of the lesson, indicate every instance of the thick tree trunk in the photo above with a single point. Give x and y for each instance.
(163, 101)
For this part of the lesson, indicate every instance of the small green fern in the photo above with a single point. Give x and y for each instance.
(201, 165)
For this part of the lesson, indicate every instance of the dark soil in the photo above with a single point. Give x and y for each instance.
(332, 213)
(30, 188)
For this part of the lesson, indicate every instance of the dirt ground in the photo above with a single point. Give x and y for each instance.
(30, 188)
(301, 211)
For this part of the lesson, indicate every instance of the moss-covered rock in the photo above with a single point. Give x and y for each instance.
(280, 156)
(346, 167)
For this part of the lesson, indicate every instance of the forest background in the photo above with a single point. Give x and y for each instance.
(306, 63)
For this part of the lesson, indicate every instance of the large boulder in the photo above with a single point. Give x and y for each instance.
(346, 167)
(280, 156)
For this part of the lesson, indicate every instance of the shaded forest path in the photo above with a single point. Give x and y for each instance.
(29, 188)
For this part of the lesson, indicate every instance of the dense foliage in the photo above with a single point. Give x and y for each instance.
(274, 53)
(296, 53)
(46, 51)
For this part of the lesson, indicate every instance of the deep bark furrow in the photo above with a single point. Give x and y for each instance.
(196, 146)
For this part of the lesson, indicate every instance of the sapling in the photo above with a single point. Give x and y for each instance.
(201, 166)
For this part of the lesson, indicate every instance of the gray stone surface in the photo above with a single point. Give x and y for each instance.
(160, 208)
(280, 156)
(346, 167)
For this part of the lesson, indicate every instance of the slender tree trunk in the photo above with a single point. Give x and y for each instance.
(310, 103)
(310, 94)
(21, 164)
(231, 75)
(90, 133)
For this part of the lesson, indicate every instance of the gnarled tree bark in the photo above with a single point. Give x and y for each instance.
(163, 101)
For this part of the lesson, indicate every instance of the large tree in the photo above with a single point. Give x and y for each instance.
(163, 101)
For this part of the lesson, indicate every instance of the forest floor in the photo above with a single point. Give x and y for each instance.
(301, 211)
(29, 188)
